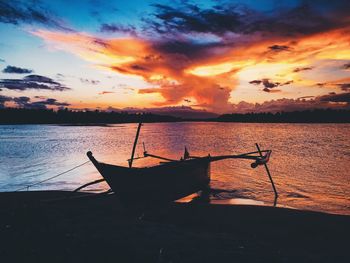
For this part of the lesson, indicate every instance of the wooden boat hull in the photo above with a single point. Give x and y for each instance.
(157, 184)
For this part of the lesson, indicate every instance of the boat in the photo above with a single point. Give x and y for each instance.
(168, 181)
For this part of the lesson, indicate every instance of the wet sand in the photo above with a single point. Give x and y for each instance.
(99, 229)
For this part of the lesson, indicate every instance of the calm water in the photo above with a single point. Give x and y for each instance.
(309, 162)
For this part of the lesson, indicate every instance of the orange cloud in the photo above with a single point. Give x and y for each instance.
(208, 79)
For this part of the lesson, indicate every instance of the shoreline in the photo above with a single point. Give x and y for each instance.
(40, 226)
(108, 124)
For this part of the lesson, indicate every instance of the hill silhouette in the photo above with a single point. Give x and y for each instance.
(66, 116)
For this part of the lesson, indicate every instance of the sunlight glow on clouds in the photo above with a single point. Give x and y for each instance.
(212, 57)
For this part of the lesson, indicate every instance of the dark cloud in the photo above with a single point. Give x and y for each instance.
(138, 67)
(43, 104)
(25, 102)
(30, 12)
(268, 84)
(89, 81)
(306, 97)
(271, 90)
(346, 66)
(344, 86)
(304, 19)
(53, 102)
(22, 101)
(279, 48)
(302, 69)
(4, 99)
(226, 17)
(255, 82)
(13, 69)
(333, 97)
(114, 28)
(191, 18)
(32, 82)
(100, 42)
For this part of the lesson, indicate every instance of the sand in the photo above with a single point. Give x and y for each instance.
(100, 229)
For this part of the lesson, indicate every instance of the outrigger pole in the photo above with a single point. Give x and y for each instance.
(135, 143)
(268, 172)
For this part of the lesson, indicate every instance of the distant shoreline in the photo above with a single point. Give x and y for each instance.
(65, 117)
(183, 121)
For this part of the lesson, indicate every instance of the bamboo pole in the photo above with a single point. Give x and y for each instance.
(268, 172)
(135, 143)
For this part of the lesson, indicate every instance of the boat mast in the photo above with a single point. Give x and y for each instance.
(135, 143)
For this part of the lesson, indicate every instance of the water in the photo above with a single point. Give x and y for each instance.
(309, 162)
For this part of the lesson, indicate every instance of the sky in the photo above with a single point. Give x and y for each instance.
(215, 56)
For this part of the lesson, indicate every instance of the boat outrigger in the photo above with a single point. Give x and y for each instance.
(168, 181)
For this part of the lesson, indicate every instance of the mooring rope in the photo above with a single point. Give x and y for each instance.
(47, 179)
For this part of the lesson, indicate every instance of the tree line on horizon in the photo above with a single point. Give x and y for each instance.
(66, 116)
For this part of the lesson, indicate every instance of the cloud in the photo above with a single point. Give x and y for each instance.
(302, 69)
(331, 101)
(2, 60)
(105, 92)
(4, 99)
(89, 81)
(346, 66)
(255, 82)
(237, 18)
(187, 51)
(114, 28)
(191, 18)
(342, 97)
(279, 48)
(30, 12)
(271, 90)
(25, 102)
(344, 86)
(13, 69)
(268, 84)
(32, 82)
(306, 97)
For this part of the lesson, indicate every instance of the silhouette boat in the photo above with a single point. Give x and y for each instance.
(168, 181)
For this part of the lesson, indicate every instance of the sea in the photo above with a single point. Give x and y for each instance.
(309, 164)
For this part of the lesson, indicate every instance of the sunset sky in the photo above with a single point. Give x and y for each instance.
(218, 56)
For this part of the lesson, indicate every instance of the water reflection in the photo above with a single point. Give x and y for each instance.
(308, 162)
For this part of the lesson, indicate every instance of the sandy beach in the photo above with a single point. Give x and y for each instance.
(44, 227)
